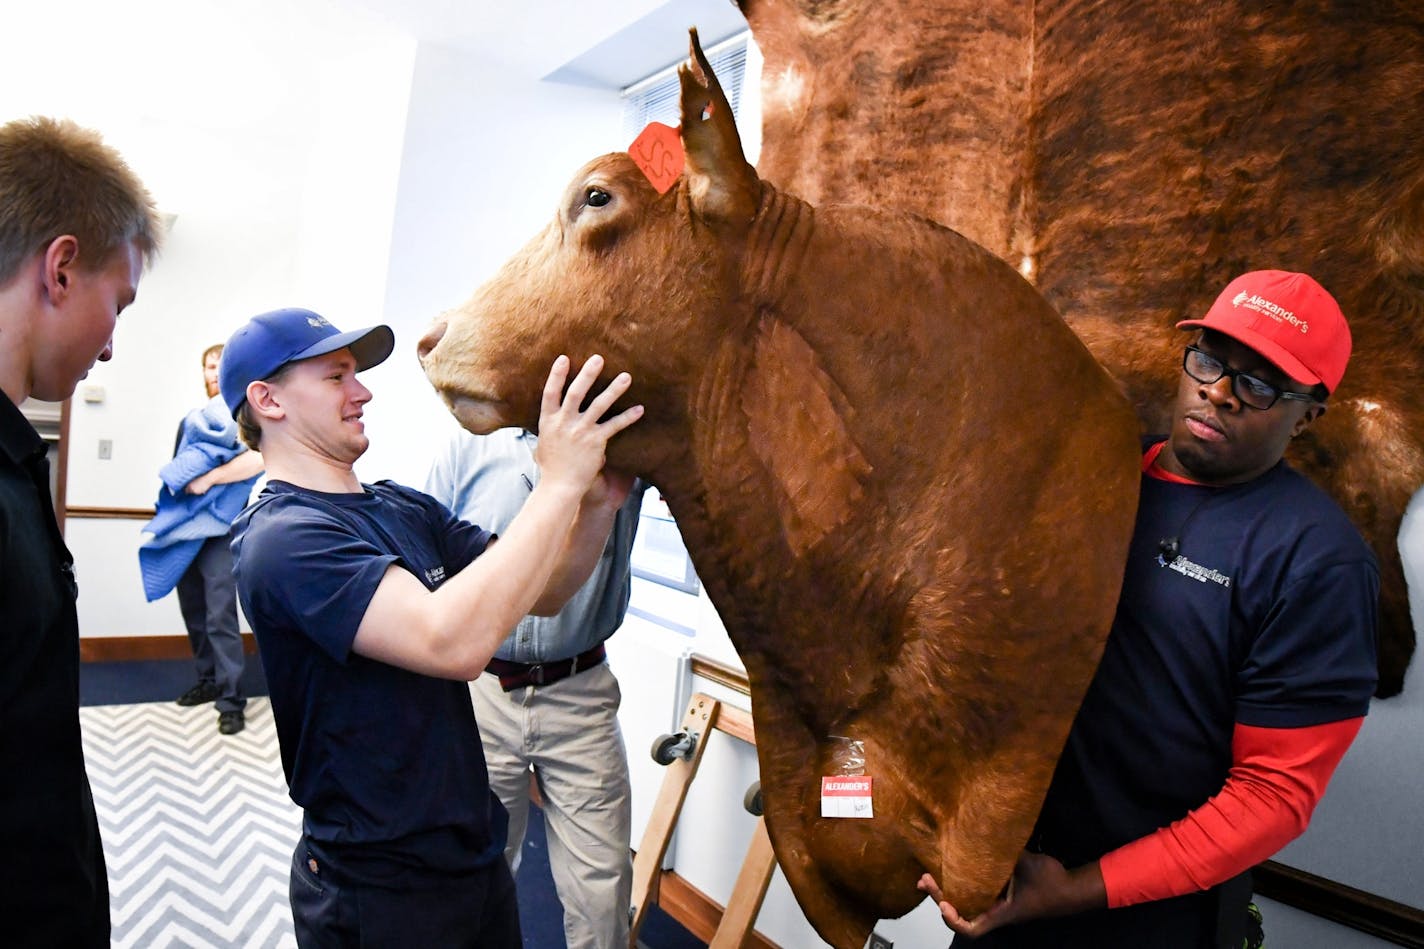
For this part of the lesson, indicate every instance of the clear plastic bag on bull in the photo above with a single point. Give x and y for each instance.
(847, 756)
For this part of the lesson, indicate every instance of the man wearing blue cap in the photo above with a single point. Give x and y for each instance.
(373, 606)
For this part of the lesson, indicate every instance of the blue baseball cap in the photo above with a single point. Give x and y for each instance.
(269, 341)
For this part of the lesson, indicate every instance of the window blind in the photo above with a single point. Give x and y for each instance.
(656, 98)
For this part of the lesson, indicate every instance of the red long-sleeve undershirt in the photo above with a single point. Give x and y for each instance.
(1277, 776)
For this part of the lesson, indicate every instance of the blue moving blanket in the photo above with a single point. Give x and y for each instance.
(183, 521)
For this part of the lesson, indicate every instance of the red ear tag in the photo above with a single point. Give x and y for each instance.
(657, 151)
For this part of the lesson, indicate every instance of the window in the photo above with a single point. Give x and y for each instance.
(658, 553)
(655, 99)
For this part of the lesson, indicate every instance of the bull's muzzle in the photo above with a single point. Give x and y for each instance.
(430, 340)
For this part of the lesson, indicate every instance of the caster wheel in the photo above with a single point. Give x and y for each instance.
(668, 748)
(752, 799)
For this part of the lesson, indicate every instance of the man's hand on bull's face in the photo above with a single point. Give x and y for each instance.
(572, 439)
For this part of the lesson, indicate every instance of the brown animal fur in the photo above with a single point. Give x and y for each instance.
(1132, 157)
(914, 534)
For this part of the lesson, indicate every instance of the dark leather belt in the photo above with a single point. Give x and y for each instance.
(516, 675)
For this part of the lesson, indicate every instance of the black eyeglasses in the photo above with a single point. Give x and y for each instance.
(1257, 393)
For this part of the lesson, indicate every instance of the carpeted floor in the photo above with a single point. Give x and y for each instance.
(198, 828)
(124, 683)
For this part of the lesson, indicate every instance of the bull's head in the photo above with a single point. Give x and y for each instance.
(650, 281)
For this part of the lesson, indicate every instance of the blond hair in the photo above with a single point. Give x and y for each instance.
(57, 178)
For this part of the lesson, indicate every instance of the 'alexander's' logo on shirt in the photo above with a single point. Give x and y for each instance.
(1194, 571)
(435, 575)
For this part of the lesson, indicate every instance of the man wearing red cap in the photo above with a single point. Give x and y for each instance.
(1240, 664)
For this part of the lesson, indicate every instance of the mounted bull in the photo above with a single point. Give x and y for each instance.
(1131, 156)
(906, 485)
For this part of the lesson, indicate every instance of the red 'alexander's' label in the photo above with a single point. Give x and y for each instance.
(846, 796)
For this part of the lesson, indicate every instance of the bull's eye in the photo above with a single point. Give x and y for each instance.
(597, 197)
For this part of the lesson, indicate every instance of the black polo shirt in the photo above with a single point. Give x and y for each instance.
(53, 888)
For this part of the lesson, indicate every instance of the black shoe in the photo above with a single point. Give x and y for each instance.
(200, 694)
(230, 723)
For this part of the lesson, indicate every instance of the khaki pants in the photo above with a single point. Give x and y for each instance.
(568, 732)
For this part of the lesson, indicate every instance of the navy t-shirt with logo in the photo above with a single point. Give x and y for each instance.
(1266, 616)
(386, 763)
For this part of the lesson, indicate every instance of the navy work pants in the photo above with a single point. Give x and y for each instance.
(207, 597)
(467, 911)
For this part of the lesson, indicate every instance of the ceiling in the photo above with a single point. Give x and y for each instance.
(603, 43)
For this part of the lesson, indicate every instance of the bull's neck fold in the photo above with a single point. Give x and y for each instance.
(776, 246)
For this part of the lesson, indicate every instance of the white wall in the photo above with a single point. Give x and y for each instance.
(272, 132)
(484, 164)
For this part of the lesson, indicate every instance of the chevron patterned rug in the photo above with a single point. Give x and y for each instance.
(198, 830)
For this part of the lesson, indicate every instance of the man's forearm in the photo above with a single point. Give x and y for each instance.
(583, 547)
(452, 631)
(1277, 777)
(249, 464)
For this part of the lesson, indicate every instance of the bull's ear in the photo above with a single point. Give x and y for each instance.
(722, 185)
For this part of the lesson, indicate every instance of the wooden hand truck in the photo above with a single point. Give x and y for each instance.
(682, 754)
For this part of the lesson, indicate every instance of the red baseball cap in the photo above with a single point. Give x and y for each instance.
(1286, 317)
